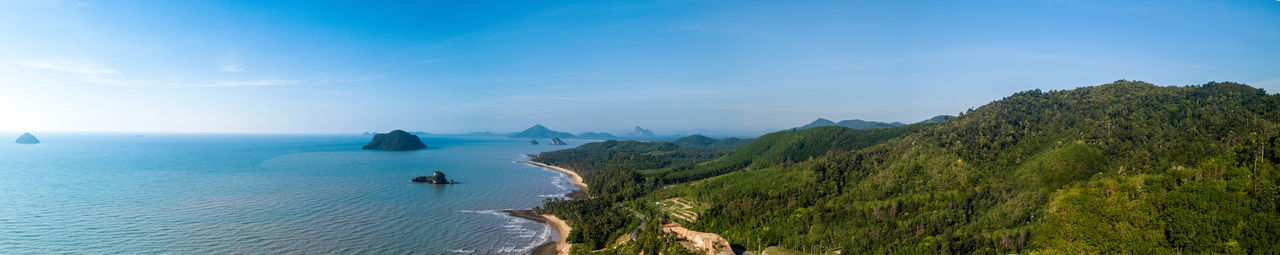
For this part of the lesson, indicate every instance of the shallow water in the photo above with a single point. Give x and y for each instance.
(273, 194)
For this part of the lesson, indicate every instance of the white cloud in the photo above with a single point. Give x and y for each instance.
(250, 83)
(94, 73)
(84, 67)
(95, 79)
(230, 68)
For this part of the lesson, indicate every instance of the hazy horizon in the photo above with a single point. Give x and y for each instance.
(577, 66)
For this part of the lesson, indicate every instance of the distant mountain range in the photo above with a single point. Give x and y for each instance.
(864, 125)
(539, 131)
(597, 135)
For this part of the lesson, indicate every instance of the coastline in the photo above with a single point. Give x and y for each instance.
(577, 179)
(552, 247)
(562, 245)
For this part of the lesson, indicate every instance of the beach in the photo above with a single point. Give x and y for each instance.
(577, 179)
(562, 245)
(558, 246)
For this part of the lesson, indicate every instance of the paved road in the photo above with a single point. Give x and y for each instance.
(642, 221)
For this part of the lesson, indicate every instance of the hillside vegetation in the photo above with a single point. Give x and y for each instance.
(1126, 167)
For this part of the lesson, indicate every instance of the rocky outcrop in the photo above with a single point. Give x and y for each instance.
(396, 140)
(533, 142)
(436, 178)
(557, 141)
(27, 138)
(641, 132)
(708, 243)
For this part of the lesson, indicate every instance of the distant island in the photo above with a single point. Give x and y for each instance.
(557, 141)
(533, 142)
(641, 132)
(597, 136)
(27, 138)
(539, 131)
(435, 178)
(396, 140)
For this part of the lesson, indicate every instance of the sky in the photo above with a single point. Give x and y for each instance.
(732, 67)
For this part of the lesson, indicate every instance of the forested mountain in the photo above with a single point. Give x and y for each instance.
(854, 124)
(597, 136)
(820, 122)
(701, 141)
(539, 131)
(939, 119)
(1126, 167)
(862, 124)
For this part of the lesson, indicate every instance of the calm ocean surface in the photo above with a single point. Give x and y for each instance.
(266, 194)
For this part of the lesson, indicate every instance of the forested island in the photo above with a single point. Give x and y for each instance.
(1125, 167)
(396, 140)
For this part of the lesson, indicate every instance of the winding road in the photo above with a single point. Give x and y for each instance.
(642, 221)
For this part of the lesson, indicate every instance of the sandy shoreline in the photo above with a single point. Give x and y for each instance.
(577, 179)
(562, 245)
(556, 246)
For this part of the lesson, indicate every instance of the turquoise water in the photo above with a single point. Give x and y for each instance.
(267, 194)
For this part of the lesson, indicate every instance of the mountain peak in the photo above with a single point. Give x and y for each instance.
(820, 122)
(641, 132)
(539, 131)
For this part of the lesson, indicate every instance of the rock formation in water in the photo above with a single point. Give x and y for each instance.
(533, 142)
(27, 138)
(436, 178)
(557, 141)
(640, 132)
(396, 140)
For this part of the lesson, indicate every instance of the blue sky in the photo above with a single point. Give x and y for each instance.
(671, 66)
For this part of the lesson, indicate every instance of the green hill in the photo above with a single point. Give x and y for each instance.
(696, 141)
(1122, 167)
(1126, 167)
(790, 147)
(701, 141)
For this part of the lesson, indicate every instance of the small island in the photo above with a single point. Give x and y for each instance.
(27, 138)
(436, 178)
(557, 141)
(396, 140)
(533, 142)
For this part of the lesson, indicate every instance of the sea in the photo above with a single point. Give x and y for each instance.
(158, 193)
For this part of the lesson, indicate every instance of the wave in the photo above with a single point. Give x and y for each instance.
(521, 229)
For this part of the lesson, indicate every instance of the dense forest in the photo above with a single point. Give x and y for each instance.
(1126, 167)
